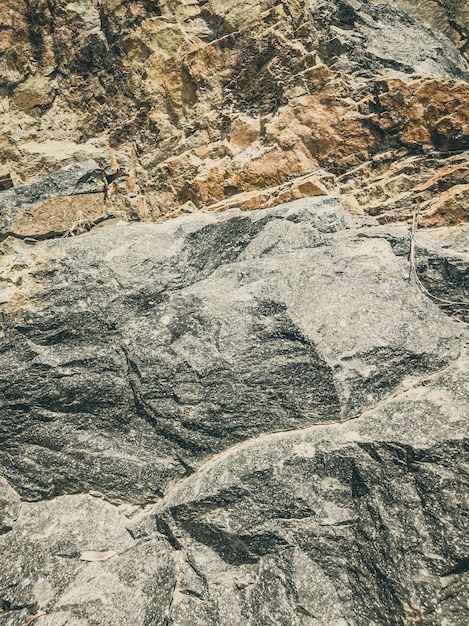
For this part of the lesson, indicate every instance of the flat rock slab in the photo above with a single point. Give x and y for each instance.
(251, 417)
(53, 204)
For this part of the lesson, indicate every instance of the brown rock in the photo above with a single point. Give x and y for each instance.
(309, 187)
(245, 131)
(276, 166)
(15, 43)
(423, 113)
(318, 183)
(36, 91)
(5, 182)
(392, 186)
(450, 207)
(60, 215)
(220, 100)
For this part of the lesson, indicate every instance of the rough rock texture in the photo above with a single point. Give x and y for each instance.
(196, 104)
(234, 417)
(41, 209)
(246, 417)
(450, 17)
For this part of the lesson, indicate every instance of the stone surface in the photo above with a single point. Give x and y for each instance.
(450, 17)
(202, 102)
(393, 185)
(245, 417)
(96, 566)
(314, 527)
(52, 205)
(442, 265)
(234, 417)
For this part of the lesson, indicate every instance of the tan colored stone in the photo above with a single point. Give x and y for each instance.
(245, 131)
(59, 215)
(451, 207)
(277, 166)
(445, 178)
(335, 136)
(36, 91)
(308, 188)
(239, 104)
(315, 184)
(352, 205)
(15, 44)
(394, 187)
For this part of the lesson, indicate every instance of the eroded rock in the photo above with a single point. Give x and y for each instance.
(54, 204)
(203, 102)
(274, 413)
(450, 18)
(233, 418)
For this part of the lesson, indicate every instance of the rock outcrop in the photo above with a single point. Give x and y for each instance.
(449, 17)
(41, 209)
(246, 417)
(255, 413)
(197, 104)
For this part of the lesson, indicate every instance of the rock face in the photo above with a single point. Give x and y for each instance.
(234, 418)
(450, 17)
(41, 209)
(197, 104)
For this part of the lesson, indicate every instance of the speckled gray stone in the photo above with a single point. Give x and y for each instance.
(373, 39)
(253, 418)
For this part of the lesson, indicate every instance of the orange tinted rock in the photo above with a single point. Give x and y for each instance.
(424, 112)
(58, 215)
(315, 184)
(450, 207)
(277, 166)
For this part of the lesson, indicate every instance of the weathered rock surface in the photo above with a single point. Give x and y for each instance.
(52, 205)
(392, 188)
(235, 418)
(201, 103)
(450, 17)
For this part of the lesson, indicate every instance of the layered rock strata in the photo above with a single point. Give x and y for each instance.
(196, 104)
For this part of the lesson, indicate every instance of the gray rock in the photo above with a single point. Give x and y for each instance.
(443, 268)
(9, 506)
(450, 17)
(374, 39)
(359, 523)
(275, 416)
(441, 264)
(163, 344)
(83, 561)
